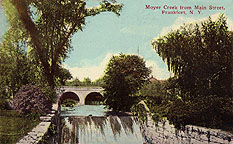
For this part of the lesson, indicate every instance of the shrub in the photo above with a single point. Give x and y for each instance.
(214, 112)
(69, 103)
(29, 99)
(2, 103)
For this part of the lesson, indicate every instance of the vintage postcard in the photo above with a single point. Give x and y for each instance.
(116, 71)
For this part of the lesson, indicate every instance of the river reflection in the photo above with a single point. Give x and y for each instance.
(98, 129)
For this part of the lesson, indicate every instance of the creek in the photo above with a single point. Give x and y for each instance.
(91, 124)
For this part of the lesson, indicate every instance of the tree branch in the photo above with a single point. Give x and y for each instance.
(104, 7)
(60, 47)
(22, 9)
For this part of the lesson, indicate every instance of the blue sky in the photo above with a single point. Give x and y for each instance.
(106, 34)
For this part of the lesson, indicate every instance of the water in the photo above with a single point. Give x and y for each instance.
(84, 110)
(88, 124)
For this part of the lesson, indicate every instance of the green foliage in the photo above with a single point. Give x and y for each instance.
(156, 97)
(69, 103)
(75, 82)
(124, 76)
(15, 67)
(154, 92)
(140, 111)
(10, 56)
(50, 136)
(14, 125)
(94, 99)
(200, 56)
(211, 111)
(63, 76)
(2, 103)
(86, 81)
(42, 28)
(48, 26)
(99, 82)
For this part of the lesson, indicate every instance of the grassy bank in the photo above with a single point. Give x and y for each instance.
(14, 125)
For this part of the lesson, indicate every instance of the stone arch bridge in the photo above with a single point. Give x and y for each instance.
(80, 94)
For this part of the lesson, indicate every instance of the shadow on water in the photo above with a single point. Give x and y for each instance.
(97, 128)
(104, 130)
(95, 125)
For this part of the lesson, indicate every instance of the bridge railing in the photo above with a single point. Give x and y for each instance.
(81, 88)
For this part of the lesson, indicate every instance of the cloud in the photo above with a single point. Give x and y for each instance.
(134, 30)
(230, 24)
(138, 30)
(176, 25)
(157, 71)
(187, 20)
(93, 72)
(96, 71)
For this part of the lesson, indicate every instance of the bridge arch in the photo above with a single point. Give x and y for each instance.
(69, 95)
(83, 93)
(93, 98)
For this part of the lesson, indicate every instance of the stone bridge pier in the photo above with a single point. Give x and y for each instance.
(79, 93)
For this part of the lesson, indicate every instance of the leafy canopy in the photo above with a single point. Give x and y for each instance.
(49, 25)
(124, 76)
(200, 56)
(15, 67)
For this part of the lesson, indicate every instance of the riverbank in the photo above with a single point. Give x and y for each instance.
(14, 125)
(45, 130)
(163, 132)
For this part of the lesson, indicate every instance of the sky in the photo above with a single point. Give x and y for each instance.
(106, 34)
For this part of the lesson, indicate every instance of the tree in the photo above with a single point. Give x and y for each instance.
(49, 25)
(154, 92)
(75, 82)
(124, 76)
(86, 81)
(200, 56)
(63, 76)
(15, 67)
(98, 82)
